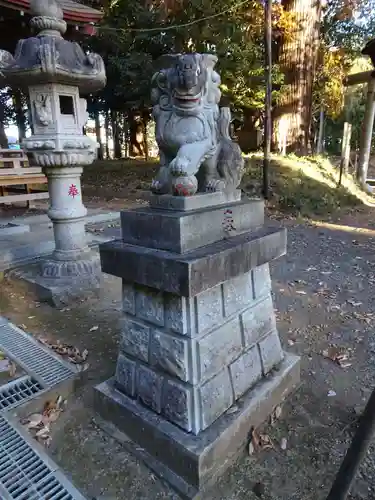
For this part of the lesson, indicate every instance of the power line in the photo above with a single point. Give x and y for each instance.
(174, 26)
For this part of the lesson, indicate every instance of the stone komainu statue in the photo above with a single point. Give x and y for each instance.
(196, 151)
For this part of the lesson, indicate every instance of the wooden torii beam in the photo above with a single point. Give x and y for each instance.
(357, 78)
(368, 122)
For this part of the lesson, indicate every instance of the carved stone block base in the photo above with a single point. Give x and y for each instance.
(191, 464)
(79, 268)
(59, 291)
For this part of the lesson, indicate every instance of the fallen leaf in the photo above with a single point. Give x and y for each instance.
(255, 439)
(278, 411)
(44, 431)
(354, 303)
(265, 441)
(84, 367)
(251, 449)
(12, 369)
(283, 443)
(337, 355)
(73, 354)
(59, 402)
(260, 441)
(275, 415)
(34, 420)
(53, 416)
(93, 328)
(48, 407)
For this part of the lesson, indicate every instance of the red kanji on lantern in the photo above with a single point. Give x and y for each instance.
(73, 191)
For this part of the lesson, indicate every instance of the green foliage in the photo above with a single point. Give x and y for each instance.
(346, 27)
(130, 49)
(304, 187)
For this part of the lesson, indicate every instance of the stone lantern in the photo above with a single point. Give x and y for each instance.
(55, 72)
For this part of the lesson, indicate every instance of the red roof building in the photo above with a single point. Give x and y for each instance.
(73, 12)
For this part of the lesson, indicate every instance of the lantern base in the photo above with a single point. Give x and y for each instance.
(86, 266)
(63, 282)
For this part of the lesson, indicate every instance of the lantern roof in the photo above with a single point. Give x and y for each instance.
(48, 58)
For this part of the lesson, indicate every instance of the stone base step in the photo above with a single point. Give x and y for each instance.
(191, 464)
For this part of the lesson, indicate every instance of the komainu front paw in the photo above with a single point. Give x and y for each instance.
(158, 187)
(215, 185)
(179, 166)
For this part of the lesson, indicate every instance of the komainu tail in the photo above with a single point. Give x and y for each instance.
(230, 162)
(224, 123)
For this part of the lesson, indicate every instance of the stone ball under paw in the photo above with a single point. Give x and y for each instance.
(185, 186)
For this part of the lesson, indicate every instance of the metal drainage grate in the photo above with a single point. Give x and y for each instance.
(25, 475)
(18, 391)
(32, 356)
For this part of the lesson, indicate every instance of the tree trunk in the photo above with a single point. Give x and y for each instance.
(98, 134)
(366, 136)
(3, 137)
(20, 115)
(136, 136)
(345, 150)
(116, 135)
(126, 137)
(106, 126)
(145, 140)
(298, 60)
(145, 120)
(249, 136)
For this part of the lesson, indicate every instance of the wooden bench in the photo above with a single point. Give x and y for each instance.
(15, 171)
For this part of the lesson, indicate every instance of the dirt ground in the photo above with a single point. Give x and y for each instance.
(323, 296)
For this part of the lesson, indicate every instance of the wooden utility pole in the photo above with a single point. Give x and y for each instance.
(319, 144)
(356, 453)
(268, 99)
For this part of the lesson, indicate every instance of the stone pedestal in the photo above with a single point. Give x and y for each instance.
(200, 359)
(72, 256)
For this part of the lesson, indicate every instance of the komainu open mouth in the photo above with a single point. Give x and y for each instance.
(187, 99)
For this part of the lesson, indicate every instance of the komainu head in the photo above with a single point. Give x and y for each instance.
(188, 81)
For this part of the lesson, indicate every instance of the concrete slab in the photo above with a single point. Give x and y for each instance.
(193, 463)
(28, 246)
(10, 229)
(37, 221)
